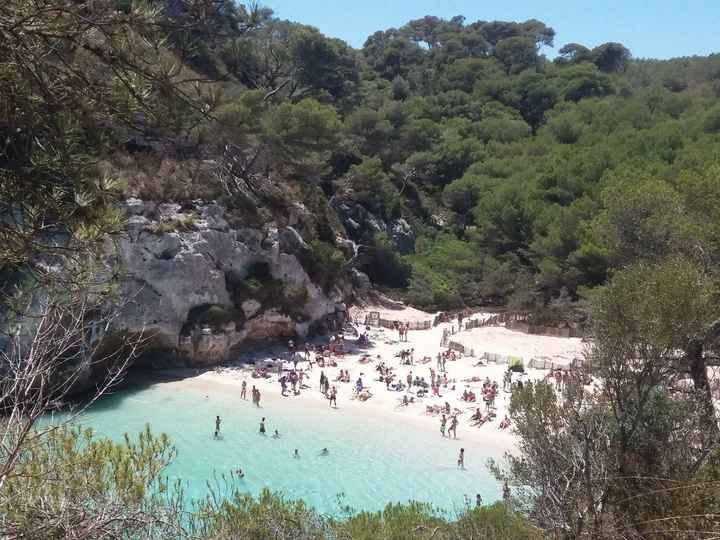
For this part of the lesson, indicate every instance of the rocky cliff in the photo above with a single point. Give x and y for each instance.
(200, 288)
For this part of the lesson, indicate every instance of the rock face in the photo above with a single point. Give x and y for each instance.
(201, 289)
(362, 225)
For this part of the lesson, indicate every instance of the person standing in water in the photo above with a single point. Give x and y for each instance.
(461, 459)
(243, 390)
(217, 426)
(296, 454)
(262, 426)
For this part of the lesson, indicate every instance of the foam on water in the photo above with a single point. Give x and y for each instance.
(372, 461)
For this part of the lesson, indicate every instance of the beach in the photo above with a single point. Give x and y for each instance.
(379, 451)
(385, 406)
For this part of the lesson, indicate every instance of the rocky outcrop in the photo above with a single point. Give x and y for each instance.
(200, 289)
(362, 226)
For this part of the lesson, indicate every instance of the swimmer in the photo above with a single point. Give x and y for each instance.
(276, 435)
(296, 454)
(324, 452)
(240, 473)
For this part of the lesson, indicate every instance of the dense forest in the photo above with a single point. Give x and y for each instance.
(525, 181)
(583, 186)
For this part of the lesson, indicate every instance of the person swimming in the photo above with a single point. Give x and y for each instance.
(296, 454)
(325, 452)
(239, 472)
(276, 435)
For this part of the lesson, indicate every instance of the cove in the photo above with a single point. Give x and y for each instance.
(373, 460)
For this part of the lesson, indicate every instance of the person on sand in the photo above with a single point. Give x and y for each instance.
(461, 459)
(409, 380)
(478, 500)
(296, 454)
(276, 435)
(262, 426)
(507, 380)
(217, 427)
(443, 424)
(333, 397)
(453, 427)
(243, 390)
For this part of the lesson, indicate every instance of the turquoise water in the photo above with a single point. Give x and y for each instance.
(370, 464)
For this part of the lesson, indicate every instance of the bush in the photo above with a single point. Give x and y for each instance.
(323, 263)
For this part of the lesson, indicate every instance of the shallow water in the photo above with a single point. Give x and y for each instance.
(370, 464)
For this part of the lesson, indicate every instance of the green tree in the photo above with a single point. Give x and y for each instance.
(517, 54)
(611, 57)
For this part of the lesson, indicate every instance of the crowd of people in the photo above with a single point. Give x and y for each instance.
(412, 379)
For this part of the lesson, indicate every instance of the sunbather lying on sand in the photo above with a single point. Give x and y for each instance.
(433, 410)
(481, 419)
(364, 394)
(260, 373)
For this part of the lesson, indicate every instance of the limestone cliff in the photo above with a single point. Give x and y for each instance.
(201, 289)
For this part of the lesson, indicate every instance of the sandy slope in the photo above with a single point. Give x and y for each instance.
(386, 404)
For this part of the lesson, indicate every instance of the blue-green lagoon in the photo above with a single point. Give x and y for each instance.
(373, 460)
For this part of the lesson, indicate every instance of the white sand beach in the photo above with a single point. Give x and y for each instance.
(387, 405)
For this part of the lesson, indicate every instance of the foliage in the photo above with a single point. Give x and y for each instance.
(528, 183)
(67, 479)
(324, 263)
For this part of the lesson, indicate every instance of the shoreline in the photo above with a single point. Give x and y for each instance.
(384, 406)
